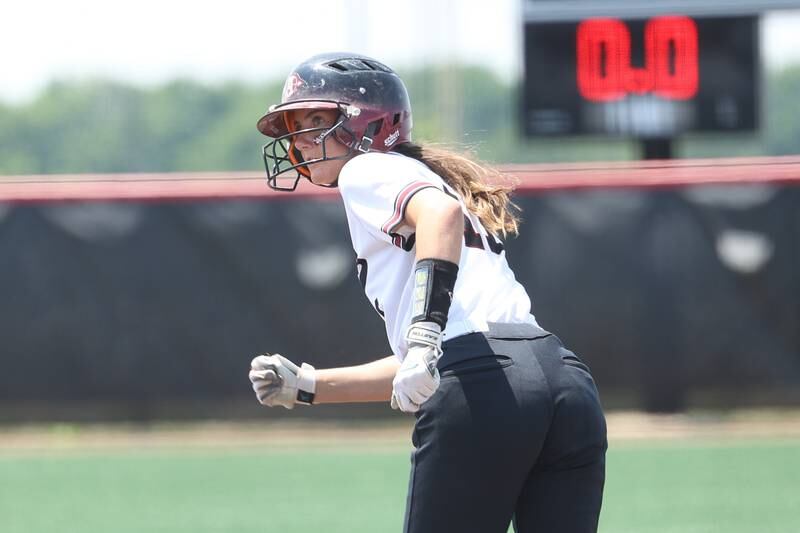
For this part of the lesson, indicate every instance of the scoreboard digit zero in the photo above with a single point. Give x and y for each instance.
(651, 76)
(669, 70)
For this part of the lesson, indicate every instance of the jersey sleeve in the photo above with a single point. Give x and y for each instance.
(376, 190)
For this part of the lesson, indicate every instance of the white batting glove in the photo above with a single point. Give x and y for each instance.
(418, 378)
(278, 381)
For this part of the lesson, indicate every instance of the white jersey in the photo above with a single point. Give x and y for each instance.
(376, 188)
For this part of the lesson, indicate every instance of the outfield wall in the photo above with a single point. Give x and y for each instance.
(122, 295)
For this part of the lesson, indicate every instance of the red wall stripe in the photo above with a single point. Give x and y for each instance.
(532, 179)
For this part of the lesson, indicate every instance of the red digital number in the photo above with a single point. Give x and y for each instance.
(671, 67)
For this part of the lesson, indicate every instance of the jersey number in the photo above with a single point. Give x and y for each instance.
(362, 268)
(473, 239)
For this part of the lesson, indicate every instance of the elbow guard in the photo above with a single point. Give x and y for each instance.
(434, 280)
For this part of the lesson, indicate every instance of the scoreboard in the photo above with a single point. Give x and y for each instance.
(639, 68)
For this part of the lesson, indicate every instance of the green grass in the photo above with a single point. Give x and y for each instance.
(737, 487)
(698, 487)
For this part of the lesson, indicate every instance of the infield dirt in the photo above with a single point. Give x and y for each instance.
(622, 427)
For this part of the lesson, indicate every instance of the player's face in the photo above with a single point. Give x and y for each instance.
(324, 172)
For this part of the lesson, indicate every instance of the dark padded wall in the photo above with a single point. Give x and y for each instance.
(676, 298)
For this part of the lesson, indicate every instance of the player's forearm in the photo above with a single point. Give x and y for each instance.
(370, 382)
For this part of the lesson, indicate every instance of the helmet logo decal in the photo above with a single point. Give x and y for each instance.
(390, 140)
(293, 83)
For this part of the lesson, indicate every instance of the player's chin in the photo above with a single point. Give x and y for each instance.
(320, 177)
(316, 179)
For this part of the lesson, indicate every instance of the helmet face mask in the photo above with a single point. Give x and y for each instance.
(284, 163)
(373, 114)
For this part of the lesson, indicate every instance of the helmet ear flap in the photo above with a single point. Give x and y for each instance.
(370, 132)
(344, 136)
(374, 128)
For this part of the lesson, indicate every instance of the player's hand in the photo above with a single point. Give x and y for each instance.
(418, 378)
(278, 381)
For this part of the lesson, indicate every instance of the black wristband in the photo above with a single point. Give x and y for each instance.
(305, 397)
(434, 280)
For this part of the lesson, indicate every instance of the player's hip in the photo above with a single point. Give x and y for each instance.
(523, 358)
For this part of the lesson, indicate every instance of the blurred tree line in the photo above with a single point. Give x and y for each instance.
(106, 126)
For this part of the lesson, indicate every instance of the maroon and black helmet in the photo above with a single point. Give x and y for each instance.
(372, 101)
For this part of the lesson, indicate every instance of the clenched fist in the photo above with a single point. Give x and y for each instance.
(278, 381)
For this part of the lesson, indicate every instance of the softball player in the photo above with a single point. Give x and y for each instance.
(508, 421)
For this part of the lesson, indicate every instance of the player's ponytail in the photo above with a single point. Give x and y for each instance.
(484, 189)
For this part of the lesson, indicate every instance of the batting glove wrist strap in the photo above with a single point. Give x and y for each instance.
(306, 384)
(425, 334)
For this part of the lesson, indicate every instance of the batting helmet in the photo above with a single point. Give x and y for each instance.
(371, 99)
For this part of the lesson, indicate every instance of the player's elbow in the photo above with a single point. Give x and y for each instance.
(443, 213)
(432, 207)
(451, 216)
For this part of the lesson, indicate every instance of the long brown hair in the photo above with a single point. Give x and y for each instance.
(485, 190)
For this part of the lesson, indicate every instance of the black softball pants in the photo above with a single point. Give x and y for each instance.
(515, 431)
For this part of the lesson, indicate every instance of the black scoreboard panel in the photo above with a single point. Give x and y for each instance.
(654, 77)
